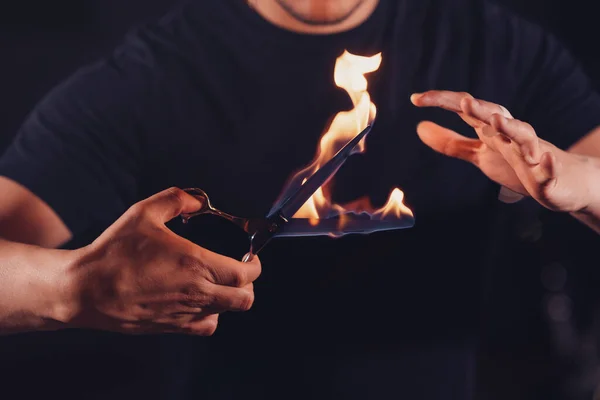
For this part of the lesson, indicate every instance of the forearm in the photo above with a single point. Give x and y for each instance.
(590, 215)
(36, 291)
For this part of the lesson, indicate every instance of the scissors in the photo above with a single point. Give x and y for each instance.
(279, 221)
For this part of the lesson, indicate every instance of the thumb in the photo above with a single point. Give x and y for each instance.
(168, 204)
(448, 142)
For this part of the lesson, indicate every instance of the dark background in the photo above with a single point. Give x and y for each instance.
(541, 336)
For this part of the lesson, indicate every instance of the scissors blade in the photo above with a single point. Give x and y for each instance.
(295, 201)
(291, 188)
(337, 227)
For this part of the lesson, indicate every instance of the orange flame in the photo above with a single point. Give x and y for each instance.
(394, 208)
(349, 74)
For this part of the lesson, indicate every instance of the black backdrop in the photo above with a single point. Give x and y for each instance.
(541, 340)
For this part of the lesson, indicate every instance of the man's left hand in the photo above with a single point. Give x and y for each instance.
(508, 151)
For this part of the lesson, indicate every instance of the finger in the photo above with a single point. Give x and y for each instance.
(213, 298)
(201, 325)
(149, 327)
(448, 142)
(179, 319)
(440, 98)
(230, 272)
(204, 326)
(168, 204)
(226, 298)
(521, 134)
(482, 110)
(462, 103)
(174, 308)
(524, 171)
(451, 101)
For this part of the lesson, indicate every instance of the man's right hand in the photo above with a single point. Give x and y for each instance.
(140, 277)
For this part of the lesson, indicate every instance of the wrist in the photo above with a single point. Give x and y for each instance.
(592, 181)
(37, 293)
(589, 214)
(57, 296)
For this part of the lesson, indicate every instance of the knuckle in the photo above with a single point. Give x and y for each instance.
(239, 277)
(131, 328)
(190, 263)
(502, 125)
(529, 131)
(496, 119)
(505, 112)
(499, 122)
(247, 300)
(530, 140)
(138, 211)
(199, 265)
(528, 126)
(208, 327)
(525, 134)
(197, 295)
(211, 327)
(175, 195)
(216, 275)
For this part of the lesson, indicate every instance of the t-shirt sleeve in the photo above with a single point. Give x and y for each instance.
(552, 91)
(80, 149)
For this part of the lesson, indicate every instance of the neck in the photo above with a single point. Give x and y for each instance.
(315, 16)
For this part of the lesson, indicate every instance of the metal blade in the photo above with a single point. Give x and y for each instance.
(292, 187)
(319, 178)
(336, 227)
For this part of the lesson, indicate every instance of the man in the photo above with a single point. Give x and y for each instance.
(232, 97)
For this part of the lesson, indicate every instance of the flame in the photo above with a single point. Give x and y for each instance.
(349, 74)
(394, 208)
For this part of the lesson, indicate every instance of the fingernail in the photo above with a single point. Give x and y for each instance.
(415, 96)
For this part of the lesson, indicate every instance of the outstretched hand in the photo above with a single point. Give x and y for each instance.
(507, 150)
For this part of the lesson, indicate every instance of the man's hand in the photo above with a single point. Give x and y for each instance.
(139, 277)
(509, 152)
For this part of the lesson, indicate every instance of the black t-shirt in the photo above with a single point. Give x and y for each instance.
(213, 96)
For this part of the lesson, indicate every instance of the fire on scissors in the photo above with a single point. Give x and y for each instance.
(323, 216)
(304, 207)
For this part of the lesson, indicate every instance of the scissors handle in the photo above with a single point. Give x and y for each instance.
(261, 231)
